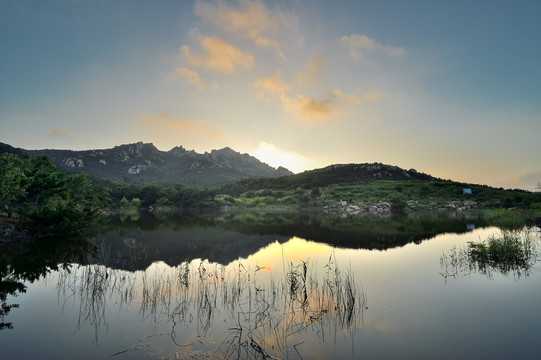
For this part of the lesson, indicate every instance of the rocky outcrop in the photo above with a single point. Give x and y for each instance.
(136, 169)
(150, 165)
(73, 163)
(344, 207)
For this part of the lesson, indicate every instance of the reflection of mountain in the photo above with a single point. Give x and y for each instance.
(224, 237)
(136, 250)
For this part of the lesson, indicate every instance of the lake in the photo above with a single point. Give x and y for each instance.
(284, 285)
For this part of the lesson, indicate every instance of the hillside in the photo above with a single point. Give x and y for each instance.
(330, 175)
(374, 187)
(143, 163)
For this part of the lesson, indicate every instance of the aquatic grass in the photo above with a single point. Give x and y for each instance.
(263, 315)
(511, 252)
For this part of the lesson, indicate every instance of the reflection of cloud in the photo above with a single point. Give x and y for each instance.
(193, 77)
(59, 132)
(219, 56)
(252, 20)
(359, 45)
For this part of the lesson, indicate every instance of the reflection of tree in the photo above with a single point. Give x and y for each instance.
(30, 261)
(224, 236)
(8, 286)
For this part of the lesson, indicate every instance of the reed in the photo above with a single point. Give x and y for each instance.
(261, 315)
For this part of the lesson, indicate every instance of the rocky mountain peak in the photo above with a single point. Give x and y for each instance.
(143, 163)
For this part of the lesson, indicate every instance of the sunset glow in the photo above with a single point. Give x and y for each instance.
(448, 88)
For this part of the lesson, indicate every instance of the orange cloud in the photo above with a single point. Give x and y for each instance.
(193, 77)
(273, 84)
(359, 45)
(308, 110)
(59, 132)
(219, 56)
(252, 20)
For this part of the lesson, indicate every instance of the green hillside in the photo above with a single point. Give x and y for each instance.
(373, 187)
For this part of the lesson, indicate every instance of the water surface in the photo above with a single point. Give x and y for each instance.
(250, 285)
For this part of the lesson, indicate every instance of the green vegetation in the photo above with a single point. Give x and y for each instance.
(512, 252)
(46, 202)
(507, 249)
(144, 164)
(400, 195)
(39, 200)
(49, 201)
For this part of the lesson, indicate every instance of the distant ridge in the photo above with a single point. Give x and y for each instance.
(332, 174)
(143, 163)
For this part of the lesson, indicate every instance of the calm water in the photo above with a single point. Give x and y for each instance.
(250, 285)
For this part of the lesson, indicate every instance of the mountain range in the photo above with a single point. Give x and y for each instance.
(143, 163)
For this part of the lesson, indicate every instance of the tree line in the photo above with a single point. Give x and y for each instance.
(41, 200)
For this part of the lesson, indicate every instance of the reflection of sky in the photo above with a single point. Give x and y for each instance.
(412, 312)
(295, 250)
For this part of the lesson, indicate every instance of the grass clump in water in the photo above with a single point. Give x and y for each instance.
(511, 252)
(505, 253)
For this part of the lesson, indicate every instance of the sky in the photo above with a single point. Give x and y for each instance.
(449, 88)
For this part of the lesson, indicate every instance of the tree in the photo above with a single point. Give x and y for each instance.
(13, 181)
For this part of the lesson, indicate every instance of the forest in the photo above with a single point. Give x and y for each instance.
(39, 200)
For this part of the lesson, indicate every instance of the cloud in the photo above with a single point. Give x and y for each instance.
(359, 46)
(192, 77)
(273, 84)
(312, 75)
(311, 111)
(219, 56)
(252, 19)
(373, 95)
(59, 132)
(308, 110)
(337, 94)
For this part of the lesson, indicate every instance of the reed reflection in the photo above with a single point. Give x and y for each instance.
(237, 310)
